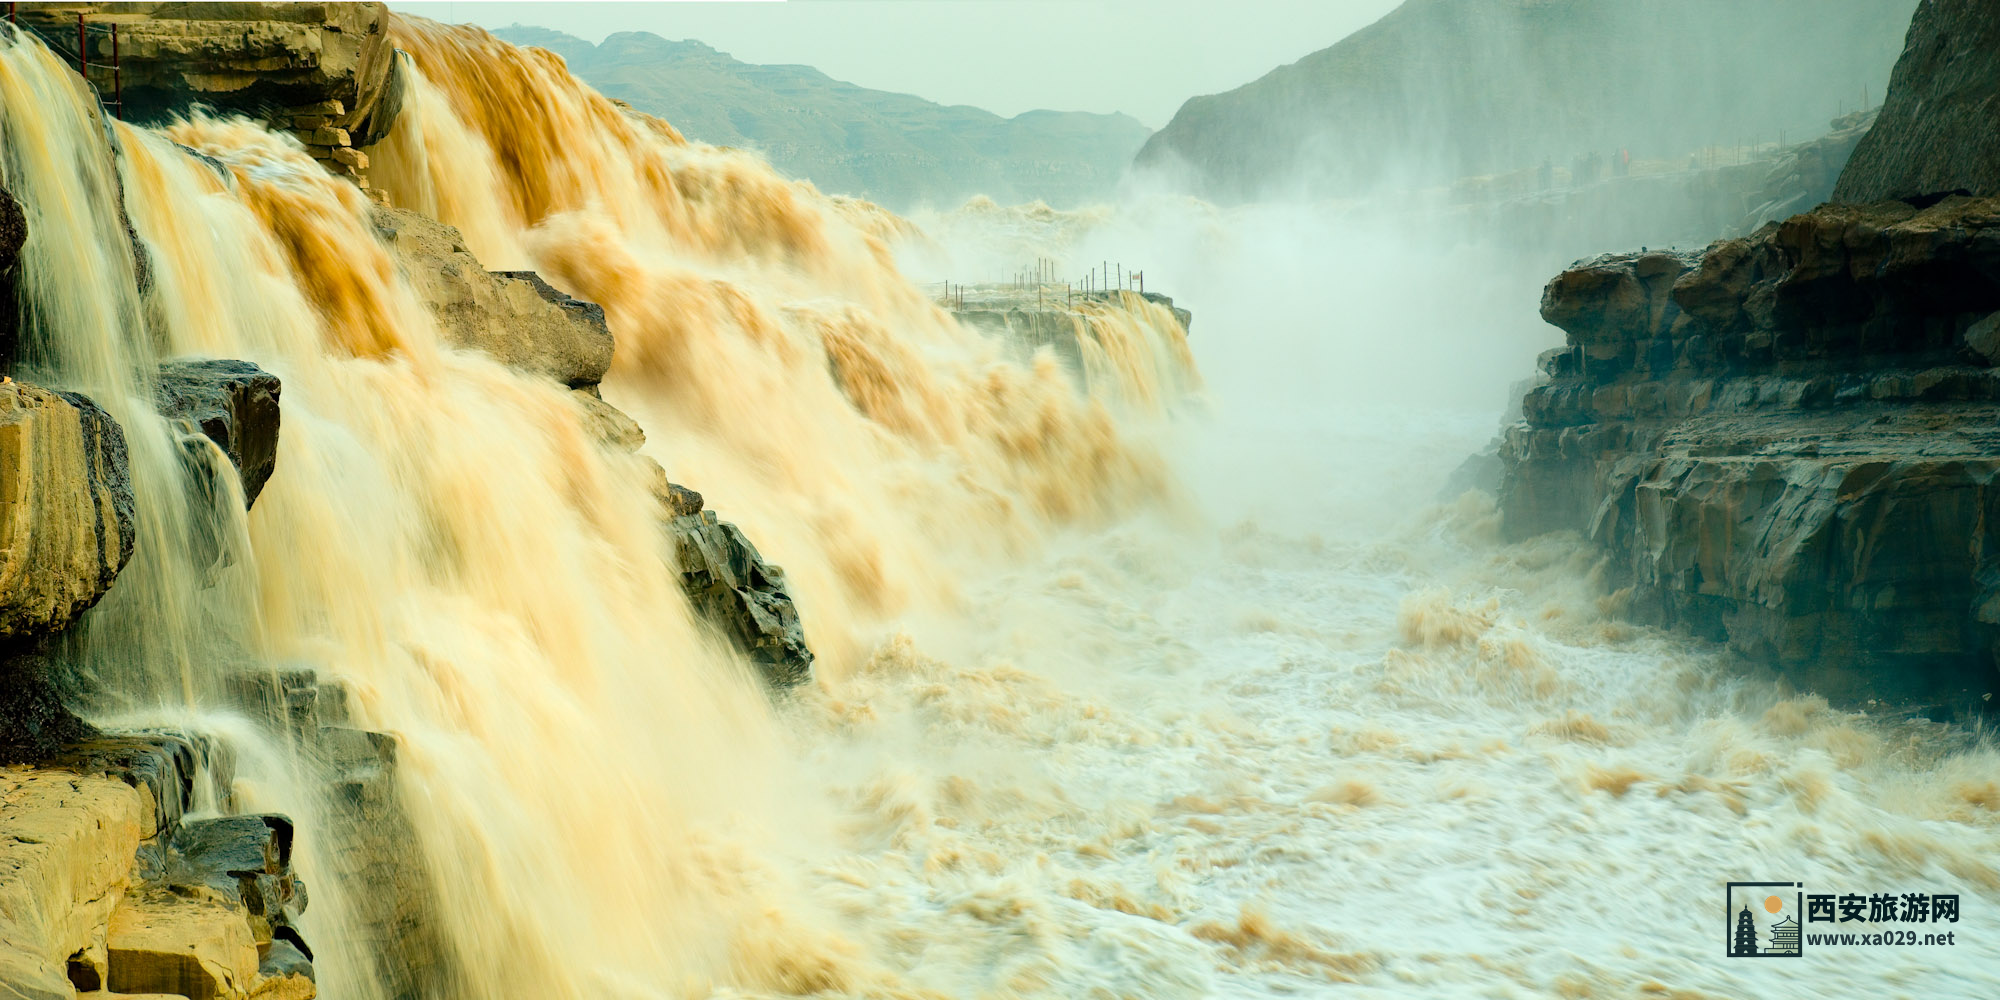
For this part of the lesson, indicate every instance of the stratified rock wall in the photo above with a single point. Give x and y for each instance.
(106, 885)
(1788, 441)
(740, 594)
(325, 72)
(1939, 130)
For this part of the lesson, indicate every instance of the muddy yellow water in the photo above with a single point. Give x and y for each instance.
(1170, 687)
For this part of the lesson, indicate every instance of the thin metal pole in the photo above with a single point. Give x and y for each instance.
(117, 74)
(82, 60)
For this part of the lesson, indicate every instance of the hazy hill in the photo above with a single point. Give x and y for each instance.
(1440, 89)
(892, 148)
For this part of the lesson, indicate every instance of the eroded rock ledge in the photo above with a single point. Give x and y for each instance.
(1789, 441)
(325, 72)
(105, 885)
(730, 585)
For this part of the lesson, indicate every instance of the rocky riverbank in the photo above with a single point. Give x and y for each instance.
(1787, 441)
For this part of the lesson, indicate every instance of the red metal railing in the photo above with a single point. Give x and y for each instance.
(116, 105)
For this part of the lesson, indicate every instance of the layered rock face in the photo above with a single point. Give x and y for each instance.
(105, 885)
(738, 592)
(66, 515)
(729, 584)
(323, 71)
(1787, 442)
(1937, 132)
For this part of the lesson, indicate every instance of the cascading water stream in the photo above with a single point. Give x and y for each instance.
(1064, 740)
(597, 788)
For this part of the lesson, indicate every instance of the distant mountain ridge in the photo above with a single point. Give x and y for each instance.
(1442, 89)
(895, 149)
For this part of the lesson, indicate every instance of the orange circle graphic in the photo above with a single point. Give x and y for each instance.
(1773, 904)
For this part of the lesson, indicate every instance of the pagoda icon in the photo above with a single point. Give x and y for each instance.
(1745, 941)
(1784, 938)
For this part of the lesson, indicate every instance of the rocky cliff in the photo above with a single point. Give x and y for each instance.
(66, 519)
(112, 889)
(1442, 89)
(1937, 131)
(1787, 442)
(325, 72)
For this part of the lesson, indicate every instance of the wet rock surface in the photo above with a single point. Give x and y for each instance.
(742, 595)
(1787, 442)
(1936, 133)
(13, 235)
(729, 584)
(241, 57)
(66, 509)
(76, 912)
(232, 403)
(66, 848)
(514, 316)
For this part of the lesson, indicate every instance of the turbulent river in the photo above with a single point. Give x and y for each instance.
(1189, 686)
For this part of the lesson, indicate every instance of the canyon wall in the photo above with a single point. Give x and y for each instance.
(1442, 89)
(1787, 441)
(1938, 129)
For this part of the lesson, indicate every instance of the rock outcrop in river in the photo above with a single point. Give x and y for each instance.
(1788, 441)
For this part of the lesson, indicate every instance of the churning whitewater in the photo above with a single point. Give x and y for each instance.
(1108, 703)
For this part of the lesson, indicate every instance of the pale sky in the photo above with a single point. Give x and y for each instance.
(1142, 57)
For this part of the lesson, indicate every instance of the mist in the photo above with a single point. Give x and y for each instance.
(682, 578)
(1438, 92)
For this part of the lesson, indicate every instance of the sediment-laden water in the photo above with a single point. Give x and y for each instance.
(1171, 689)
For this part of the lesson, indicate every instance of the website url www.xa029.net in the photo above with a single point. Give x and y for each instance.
(1884, 938)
